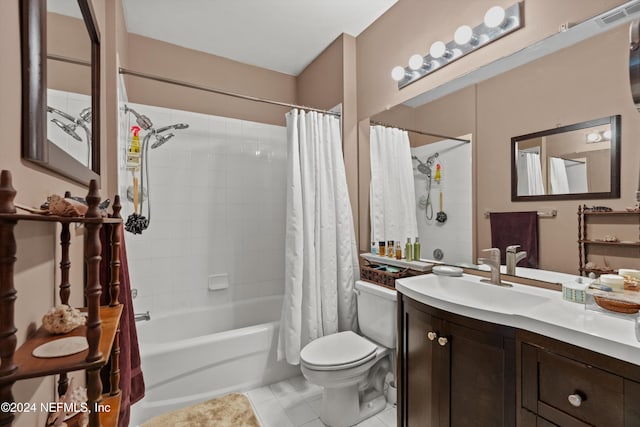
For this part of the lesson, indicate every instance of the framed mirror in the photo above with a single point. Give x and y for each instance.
(60, 50)
(579, 161)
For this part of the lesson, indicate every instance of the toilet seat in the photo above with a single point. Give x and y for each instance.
(338, 351)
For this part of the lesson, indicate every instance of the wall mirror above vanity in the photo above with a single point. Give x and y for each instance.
(515, 100)
(577, 161)
(61, 81)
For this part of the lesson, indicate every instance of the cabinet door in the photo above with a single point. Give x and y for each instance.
(482, 378)
(423, 378)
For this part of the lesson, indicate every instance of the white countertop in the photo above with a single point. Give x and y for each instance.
(529, 308)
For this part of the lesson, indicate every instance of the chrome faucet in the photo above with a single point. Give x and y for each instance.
(514, 257)
(493, 261)
(142, 316)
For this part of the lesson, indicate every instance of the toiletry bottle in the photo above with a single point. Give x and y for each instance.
(135, 140)
(390, 247)
(374, 248)
(408, 250)
(416, 250)
(382, 249)
(398, 250)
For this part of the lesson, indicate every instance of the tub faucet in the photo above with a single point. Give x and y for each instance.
(142, 316)
(493, 261)
(514, 257)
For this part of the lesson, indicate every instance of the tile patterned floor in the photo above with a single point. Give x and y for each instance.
(296, 403)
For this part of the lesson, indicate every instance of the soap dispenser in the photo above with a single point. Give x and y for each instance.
(416, 249)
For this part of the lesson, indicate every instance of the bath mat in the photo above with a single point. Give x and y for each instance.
(232, 410)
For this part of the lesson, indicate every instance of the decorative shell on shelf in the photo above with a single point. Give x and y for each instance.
(65, 206)
(62, 319)
(610, 238)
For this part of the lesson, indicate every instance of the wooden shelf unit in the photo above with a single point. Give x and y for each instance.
(102, 324)
(584, 242)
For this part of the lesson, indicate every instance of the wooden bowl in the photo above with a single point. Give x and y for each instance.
(617, 306)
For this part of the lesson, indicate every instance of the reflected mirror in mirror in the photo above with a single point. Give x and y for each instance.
(579, 161)
(68, 80)
(60, 57)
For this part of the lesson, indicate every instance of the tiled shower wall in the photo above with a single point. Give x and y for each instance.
(454, 237)
(217, 193)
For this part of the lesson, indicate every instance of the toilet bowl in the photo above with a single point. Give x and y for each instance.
(351, 368)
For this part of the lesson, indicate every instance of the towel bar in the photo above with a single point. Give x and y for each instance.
(551, 213)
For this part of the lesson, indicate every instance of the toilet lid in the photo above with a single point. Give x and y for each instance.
(337, 350)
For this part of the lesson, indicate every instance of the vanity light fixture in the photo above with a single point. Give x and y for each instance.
(593, 137)
(497, 23)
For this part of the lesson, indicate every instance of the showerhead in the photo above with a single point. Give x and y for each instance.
(69, 129)
(61, 114)
(143, 121)
(177, 126)
(161, 140)
(422, 168)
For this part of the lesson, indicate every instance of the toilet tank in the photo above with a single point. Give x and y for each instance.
(377, 314)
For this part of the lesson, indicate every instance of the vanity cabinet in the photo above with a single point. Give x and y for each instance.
(453, 371)
(564, 385)
(594, 245)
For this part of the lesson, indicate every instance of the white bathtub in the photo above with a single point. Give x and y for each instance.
(193, 355)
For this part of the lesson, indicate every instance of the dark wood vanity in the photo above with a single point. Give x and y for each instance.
(458, 371)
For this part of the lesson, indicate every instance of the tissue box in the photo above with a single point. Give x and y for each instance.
(574, 292)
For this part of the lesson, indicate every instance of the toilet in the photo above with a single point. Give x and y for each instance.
(351, 368)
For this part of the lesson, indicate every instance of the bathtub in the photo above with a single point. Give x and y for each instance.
(192, 355)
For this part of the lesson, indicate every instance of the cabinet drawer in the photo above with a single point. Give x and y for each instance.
(598, 396)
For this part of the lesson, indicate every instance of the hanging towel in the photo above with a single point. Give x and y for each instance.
(131, 379)
(516, 228)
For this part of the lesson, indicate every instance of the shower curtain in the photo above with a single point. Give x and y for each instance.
(530, 174)
(392, 192)
(321, 261)
(559, 179)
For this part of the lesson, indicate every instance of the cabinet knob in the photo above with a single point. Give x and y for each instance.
(432, 335)
(575, 399)
(442, 341)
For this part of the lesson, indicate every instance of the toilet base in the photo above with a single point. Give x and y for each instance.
(345, 407)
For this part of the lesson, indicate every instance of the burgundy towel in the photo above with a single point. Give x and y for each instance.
(131, 380)
(516, 228)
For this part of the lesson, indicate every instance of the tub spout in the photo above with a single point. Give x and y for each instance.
(142, 316)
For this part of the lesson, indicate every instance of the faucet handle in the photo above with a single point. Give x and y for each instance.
(494, 253)
(512, 248)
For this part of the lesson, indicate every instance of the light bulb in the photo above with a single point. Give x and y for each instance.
(416, 62)
(397, 73)
(593, 137)
(494, 17)
(463, 35)
(607, 134)
(437, 49)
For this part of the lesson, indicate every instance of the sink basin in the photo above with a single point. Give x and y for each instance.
(471, 292)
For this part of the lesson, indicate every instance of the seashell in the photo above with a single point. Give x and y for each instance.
(610, 238)
(62, 319)
(591, 265)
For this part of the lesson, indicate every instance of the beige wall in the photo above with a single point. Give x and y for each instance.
(410, 27)
(175, 62)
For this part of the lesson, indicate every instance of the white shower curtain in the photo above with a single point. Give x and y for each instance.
(559, 179)
(529, 174)
(321, 260)
(392, 194)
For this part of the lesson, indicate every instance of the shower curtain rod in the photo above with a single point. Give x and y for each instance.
(221, 92)
(69, 60)
(373, 122)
